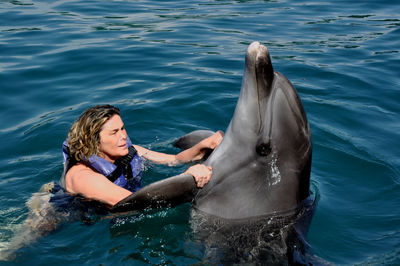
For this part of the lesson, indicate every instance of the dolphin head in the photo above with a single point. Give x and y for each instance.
(263, 164)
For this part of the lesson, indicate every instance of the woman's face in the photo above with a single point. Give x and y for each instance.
(113, 138)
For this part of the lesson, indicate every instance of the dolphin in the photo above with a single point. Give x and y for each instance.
(262, 166)
(257, 206)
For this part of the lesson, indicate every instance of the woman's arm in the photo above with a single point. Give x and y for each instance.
(157, 157)
(82, 180)
(194, 153)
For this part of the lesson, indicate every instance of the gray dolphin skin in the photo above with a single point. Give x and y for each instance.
(262, 166)
(257, 207)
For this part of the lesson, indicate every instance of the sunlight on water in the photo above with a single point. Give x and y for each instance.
(173, 67)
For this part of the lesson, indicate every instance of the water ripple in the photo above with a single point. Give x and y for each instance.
(173, 67)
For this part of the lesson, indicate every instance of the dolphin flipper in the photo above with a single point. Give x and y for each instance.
(192, 138)
(171, 191)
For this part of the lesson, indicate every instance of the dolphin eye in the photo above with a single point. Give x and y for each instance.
(263, 149)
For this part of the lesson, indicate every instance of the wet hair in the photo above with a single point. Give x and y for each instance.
(84, 135)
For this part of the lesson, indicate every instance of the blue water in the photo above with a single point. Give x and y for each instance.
(176, 66)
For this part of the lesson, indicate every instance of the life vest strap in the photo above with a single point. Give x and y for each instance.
(123, 166)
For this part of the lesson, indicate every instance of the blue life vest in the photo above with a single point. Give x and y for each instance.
(126, 172)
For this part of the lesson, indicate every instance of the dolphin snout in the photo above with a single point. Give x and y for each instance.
(257, 52)
(253, 47)
(253, 51)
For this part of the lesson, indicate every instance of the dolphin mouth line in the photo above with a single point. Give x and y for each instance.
(258, 91)
(258, 102)
(265, 76)
(259, 88)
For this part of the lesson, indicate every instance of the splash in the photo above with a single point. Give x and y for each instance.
(275, 173)
(42, 219)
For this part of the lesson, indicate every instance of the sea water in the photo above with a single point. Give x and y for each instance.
(176, 66)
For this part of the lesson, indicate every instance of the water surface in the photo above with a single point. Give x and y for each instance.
(176, 66)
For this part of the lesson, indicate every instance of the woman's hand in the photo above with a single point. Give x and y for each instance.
(213, 141)
(194, 153)
(201, 173)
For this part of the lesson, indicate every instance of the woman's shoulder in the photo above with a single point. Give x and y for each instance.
(83, 180)
(75, 174)
(79, 168)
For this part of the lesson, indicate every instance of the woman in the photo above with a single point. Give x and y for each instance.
(102, 164)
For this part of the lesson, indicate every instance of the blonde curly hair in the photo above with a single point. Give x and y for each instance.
(84, 135)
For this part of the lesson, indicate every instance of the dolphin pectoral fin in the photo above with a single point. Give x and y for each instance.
(171, 191)
(189, 140)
